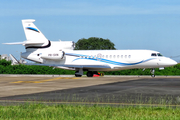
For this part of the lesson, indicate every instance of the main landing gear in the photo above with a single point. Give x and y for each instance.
(89, 74)
(79, 73)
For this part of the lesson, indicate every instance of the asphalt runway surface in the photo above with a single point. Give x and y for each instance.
(105, 90)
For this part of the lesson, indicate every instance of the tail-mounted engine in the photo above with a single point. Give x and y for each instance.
(60, 55)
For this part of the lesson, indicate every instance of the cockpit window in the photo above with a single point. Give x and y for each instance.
(153, 54)
(159, 54)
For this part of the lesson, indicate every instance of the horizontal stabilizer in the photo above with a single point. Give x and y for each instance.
(34, 36)
(24, 43)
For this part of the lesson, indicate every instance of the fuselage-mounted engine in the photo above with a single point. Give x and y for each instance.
(60, 55)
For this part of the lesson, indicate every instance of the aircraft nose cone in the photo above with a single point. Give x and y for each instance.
(173, 62)
(166, 62)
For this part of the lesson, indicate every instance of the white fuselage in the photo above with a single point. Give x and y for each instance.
(116, 59)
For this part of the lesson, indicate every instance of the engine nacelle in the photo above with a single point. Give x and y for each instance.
(66, 45)
(54, 55)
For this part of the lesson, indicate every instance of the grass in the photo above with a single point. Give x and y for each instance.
(76, 107)
(32, 111)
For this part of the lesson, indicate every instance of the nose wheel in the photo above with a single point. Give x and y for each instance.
(152, 72)
(152, 76)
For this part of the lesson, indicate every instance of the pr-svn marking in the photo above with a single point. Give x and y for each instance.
(41, 81)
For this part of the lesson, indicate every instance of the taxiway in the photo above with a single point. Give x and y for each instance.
(122, 89)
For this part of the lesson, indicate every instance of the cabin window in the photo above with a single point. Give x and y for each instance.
(106, 56)
(129, 56)
(110, 56)
(117, 56)
(121, 56)
(102, 56)
(125, 56)
(114, 56)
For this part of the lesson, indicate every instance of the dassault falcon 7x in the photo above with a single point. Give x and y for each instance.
(61, 54)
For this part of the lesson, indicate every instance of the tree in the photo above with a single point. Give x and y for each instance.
(94, 43)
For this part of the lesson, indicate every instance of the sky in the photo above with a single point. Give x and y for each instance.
(129, 24)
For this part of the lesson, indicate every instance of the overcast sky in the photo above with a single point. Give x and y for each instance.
(129, 24)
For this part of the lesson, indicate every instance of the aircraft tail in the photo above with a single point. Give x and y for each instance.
(33, 35)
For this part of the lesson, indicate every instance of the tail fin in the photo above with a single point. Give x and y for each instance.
(32, 33)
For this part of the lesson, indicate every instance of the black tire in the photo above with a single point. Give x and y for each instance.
(89, 74)
(77, 75)
(152, 76)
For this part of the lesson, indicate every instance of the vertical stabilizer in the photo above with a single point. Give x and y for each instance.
(32, 33)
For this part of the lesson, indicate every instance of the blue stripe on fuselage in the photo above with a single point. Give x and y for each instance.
(108, 61)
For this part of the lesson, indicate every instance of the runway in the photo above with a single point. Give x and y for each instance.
(103, 90)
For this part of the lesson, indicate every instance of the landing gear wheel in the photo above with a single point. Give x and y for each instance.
(152, 76)
(152, 72)
(77, 75)
(89, 74)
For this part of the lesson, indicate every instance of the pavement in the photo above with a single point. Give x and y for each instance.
(101, 90)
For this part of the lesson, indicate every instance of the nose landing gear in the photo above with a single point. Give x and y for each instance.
(152, 72)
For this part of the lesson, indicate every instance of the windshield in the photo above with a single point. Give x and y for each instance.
(153, 54)
(159, 54)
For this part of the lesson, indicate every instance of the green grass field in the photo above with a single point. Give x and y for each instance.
(83, 112)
